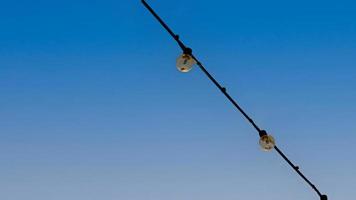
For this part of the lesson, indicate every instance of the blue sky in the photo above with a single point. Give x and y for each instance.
(92, 106)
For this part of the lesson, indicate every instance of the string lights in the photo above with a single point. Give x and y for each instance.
(185, 63)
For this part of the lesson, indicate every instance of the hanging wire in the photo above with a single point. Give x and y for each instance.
(187, 50)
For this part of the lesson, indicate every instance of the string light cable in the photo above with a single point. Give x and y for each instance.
(187, 60)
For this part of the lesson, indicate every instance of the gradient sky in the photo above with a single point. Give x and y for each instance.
(93, 108)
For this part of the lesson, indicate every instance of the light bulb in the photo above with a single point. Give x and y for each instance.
(185, 63)
(267, 142)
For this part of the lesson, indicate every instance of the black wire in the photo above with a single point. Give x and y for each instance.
(175, 37)
(223, 90)
(296, 168)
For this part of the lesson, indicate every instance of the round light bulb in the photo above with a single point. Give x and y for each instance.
(267, 142)
(185, 63)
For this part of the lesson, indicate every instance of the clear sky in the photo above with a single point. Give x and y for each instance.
(93, 108)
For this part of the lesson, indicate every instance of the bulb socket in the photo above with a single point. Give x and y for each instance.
(188, 51)
(262, 133)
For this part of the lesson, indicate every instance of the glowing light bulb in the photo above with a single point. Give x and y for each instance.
(185, 63)
(267, 142)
